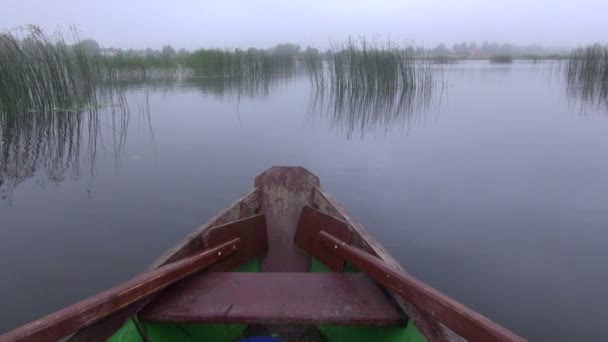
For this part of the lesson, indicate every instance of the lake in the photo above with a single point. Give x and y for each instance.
(492, 189)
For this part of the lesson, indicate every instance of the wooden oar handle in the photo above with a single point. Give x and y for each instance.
(68, 320)
(462, 320)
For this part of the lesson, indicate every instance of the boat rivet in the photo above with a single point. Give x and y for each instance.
(219, 253)
(335, 246)
(388, 275)
(234, 247)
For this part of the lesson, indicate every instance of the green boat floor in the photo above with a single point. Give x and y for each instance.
(179, 332)
(249, 266)
(345, 333)
(127, 333)
(157, 332)
(318, 266)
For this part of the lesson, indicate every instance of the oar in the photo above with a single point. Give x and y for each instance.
(69, 320)
(462, 320)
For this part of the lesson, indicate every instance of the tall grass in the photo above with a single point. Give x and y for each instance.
(314, 66)
(51, 91)
(587, 74)
(364, 65)
(362, 85)
(39, 73)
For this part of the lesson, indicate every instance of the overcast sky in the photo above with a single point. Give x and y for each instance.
(231, 23)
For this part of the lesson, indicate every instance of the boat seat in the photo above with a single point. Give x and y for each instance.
(275, 298)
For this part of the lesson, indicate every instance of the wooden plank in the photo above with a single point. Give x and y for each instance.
(68, 320)
(251, 229)
(285, 190)
(244, 207)
(430, 327)
(275, 298)
(462, 320)
(313, 221)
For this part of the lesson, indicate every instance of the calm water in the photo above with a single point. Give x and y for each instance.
(495, 191)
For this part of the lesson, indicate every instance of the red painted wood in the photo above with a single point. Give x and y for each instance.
(462, 320)
(275, 298)
(429, 326)
(313, 221)
(251, 230)
(68, 320)
(242, 208)
(285, 190)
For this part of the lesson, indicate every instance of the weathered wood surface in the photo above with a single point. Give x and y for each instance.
(68, 320)
(251, 230)
(312, 222)
(462, 320)
(275, 298)
(430, 327)
(284, 191)
(245, 206)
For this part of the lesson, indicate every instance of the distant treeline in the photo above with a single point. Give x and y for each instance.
(209, 61)
(200, 62)
(486, 50)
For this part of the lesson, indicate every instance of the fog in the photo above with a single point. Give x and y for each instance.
(230, 23)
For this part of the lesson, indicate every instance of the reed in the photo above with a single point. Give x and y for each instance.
(314, 66)
(51, 94)
(41, 74)
(587, 73)
(366, 85)
(364, 65)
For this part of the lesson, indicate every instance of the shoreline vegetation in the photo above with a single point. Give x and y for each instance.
(56, 92)
(42, 73)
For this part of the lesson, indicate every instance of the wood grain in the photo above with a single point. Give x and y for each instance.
(251, 229)
(462, 320)
(193, 243)
(68, 320)
(285, 190)
(275, 298)
(313, 221)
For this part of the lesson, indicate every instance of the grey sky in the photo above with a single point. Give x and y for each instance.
(231, 23)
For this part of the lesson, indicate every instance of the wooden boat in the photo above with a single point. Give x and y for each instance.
(284, 261)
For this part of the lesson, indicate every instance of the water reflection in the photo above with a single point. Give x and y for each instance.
(230, 87)
(588, 95)
(363, 112)
(358, 111)
(59, 145)
(215, 86)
